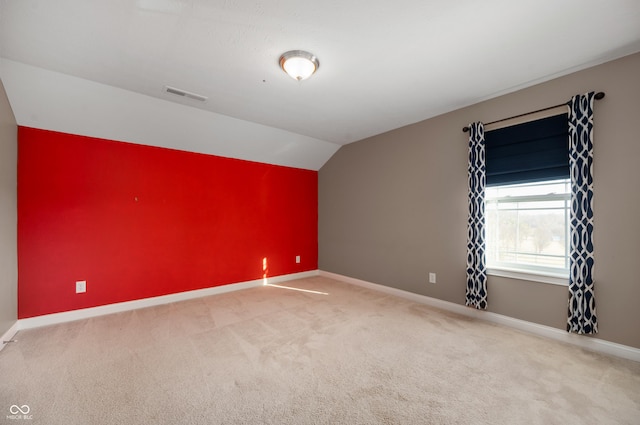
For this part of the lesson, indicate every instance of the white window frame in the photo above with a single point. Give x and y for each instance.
(551, 275)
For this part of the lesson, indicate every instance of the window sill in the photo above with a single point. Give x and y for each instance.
(530, 276)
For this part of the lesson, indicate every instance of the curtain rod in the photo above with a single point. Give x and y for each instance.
(597, 96)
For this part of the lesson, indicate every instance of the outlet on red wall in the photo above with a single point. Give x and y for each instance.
(140, 221)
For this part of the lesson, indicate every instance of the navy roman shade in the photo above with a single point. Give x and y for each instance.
(528, 152)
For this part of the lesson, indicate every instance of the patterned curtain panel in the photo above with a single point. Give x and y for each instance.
(582, 308)
(476, 262)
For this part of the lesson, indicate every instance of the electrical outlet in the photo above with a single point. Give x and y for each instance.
(297, 259)
(432, 278)
(81, 286)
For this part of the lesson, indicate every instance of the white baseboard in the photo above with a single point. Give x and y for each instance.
(8, 335)
(85, 313)
(589, 343)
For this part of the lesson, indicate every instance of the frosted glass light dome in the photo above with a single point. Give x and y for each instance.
(299, 64)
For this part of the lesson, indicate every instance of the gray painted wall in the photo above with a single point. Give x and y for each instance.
(8, 215)
(393, 208)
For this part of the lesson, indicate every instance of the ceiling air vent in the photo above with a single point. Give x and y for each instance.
(185, 93)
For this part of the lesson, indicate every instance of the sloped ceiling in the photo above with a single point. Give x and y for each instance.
(99, 67)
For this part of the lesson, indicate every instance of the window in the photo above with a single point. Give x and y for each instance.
(527, 198)
(527, 227)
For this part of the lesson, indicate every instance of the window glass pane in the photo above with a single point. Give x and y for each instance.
(543, 204)
(530, 234)
(532, 205)
(545, 188)
(542, 233)
(507, 205)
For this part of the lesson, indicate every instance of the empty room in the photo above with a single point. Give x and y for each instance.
(297, 212)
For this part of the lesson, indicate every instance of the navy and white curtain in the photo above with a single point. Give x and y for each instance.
(476, 261)
(582, 308)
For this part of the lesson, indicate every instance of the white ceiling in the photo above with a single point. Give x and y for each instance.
(383, 63)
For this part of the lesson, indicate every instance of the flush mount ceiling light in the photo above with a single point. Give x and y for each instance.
(299, 64)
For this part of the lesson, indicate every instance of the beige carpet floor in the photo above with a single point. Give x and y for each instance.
(273, 355)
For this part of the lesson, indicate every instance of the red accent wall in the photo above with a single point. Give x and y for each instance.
(138, 221)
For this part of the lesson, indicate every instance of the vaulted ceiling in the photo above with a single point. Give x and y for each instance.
(100, 67)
